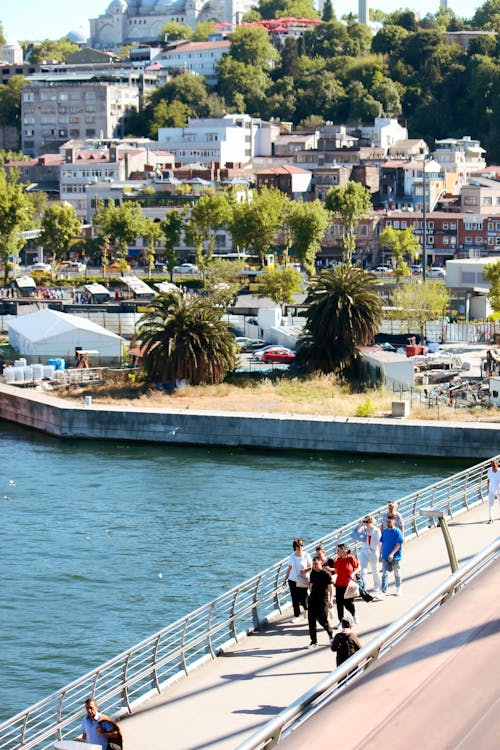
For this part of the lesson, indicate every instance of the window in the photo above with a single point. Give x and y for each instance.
(479, 240)
(446, 240)
(445, 225)
(468, 240)
(453, 224)
(28, 96)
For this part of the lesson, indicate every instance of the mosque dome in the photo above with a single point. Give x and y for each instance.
(77, 36)
(117, 6)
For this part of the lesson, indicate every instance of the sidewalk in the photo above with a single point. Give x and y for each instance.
(222, 703)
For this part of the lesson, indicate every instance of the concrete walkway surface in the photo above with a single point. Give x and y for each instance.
(222, 703)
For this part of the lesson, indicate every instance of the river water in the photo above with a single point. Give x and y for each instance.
(103, 543)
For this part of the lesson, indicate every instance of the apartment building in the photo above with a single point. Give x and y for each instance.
(55, 107)
(232, 139)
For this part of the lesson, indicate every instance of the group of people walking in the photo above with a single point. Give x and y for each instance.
(316, 581)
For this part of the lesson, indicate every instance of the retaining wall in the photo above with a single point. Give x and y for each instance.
(313, 433)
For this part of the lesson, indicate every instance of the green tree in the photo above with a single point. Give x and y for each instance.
(173, 31)
(350, 204)
(60, 226)
(487, 16)
(211, 212)
(171, 227)
(404, 245)
(328, 13)
(279, 284)
(491, 273)
(15, 217)
(186, 339)
(52, 49)
(307, 223)
(223, 280)
(202, 31)
(118, 227)
(344, 313)
(244, 87)
(39, 201)
(250, 45)
(256, 223)
(10, 102)
(151, 233)
(169, 115)
(418, 303)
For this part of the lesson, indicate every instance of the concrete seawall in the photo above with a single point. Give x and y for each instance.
(55, 416)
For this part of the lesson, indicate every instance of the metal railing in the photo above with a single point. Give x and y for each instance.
(308, 703)
(144, 670)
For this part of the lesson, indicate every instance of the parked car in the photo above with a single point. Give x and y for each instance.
(436, 273)
(73, 265)
(162, 267)
(383, 271)
(186, 269)
(259, 353)
(117, 266)
(39, 268)
(246, 344)
(416, 269)
(278, 354)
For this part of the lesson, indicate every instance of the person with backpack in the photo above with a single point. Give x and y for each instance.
(345, 643)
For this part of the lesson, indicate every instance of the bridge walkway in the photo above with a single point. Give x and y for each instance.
(224, 702)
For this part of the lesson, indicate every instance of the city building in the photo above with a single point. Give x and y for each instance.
(193, 57)
(232, 139)
(293, 181)
(58, 106)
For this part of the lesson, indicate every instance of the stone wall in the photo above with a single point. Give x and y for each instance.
(312, 433)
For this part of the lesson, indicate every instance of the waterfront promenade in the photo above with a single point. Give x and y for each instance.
(223, 702)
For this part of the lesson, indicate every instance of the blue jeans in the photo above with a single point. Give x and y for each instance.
(386, 569)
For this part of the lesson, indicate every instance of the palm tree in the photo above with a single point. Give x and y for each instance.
(344, 313)
(185, 339)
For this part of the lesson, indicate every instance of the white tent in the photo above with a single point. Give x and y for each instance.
(50, 333)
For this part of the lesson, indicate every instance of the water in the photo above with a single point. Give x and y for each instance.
(103, 543)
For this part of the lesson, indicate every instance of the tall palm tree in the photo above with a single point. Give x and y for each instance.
(185, 339)
(344, 313)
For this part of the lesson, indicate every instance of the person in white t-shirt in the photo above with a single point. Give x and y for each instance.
(493, 487)
(369, 536)
(297, 575)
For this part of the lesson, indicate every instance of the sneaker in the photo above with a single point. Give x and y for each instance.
(295, 619)
(381, 596)
(313, 645)
(338, 625)
(398, 592)
(355, 620)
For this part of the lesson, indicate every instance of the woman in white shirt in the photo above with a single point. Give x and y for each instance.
(369, 536)
(297, 575)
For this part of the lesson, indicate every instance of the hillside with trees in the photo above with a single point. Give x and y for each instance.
(339, 71)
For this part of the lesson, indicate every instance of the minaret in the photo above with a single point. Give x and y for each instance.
(443, 4)
(364, 11)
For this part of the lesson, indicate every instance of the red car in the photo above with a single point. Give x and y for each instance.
(279, 354)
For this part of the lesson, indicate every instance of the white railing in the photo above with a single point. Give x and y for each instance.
(270, 734)
(133, 676)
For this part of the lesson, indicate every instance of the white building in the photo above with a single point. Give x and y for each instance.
(193, 57)
(138, 21)
(384, 132)
(462, 156)
(232, 139)
(11, 52)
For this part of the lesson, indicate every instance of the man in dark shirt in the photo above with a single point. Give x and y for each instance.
(320, 599)
(345, 643)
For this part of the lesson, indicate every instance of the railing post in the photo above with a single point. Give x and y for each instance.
(255, 612)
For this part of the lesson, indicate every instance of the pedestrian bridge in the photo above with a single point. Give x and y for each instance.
(219, 675)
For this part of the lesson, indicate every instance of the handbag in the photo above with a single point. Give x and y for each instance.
(352, 590)
(302, 581)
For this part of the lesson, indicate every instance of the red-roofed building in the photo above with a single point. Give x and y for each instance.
(293, 181)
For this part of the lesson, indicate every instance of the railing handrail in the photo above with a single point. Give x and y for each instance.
(128, 679)
(269, 734)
